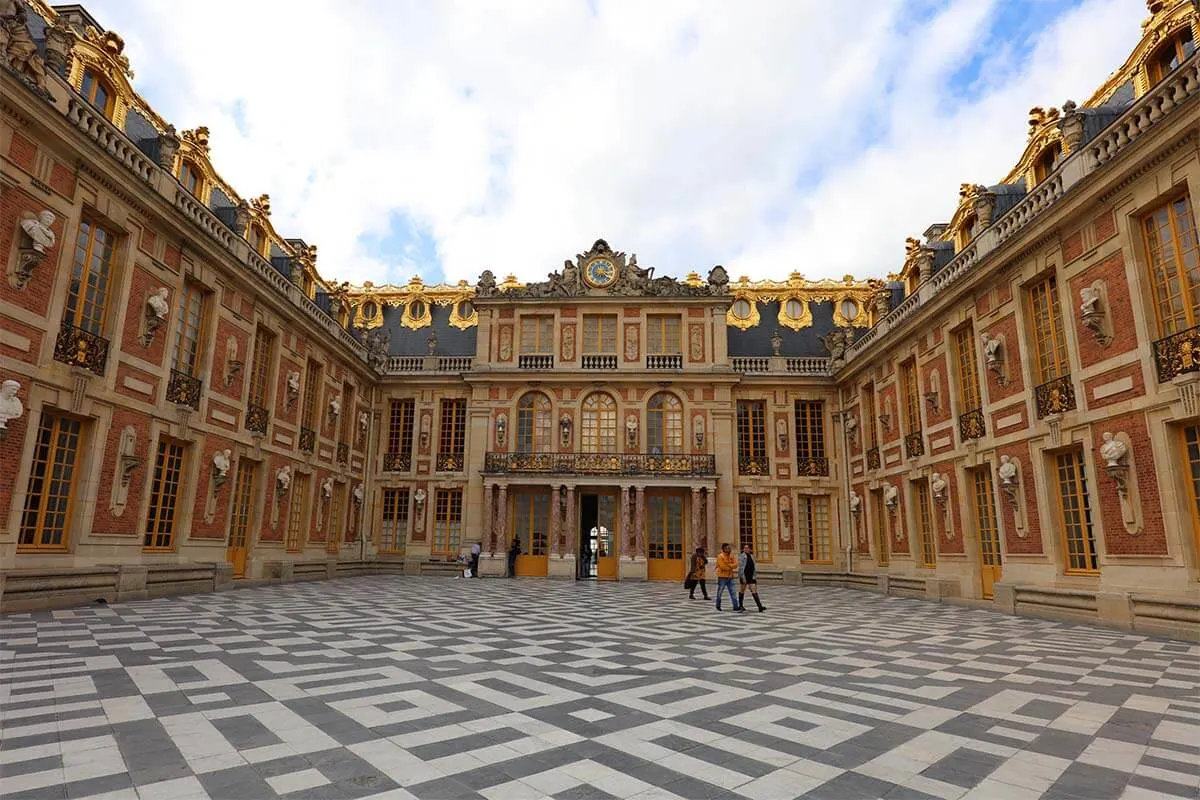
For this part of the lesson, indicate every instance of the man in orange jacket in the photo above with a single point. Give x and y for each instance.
(727, 567)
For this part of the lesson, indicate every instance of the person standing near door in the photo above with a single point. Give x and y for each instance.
(747, 579)
(513, 552)
(696, 575)
(475, 552)
(727, 567)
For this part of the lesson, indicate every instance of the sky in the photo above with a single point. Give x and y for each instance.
(407, 137)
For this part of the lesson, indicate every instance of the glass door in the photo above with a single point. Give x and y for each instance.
(531, 527)
(664, 537)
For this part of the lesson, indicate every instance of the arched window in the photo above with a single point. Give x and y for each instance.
(535, 427)
(1170, 55)
(664, 424)
(599, 424)
(189, 176)
(258, 240)
(1047, 162)
(97, 92)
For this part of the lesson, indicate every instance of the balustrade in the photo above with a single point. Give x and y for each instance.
(535, 362)
(914, 445)
(664, 361)
(1054, 396)
(81, 348)
(601, 463)
(308, 440)
(1177, 354)
(397, 462)
(607, 362)
(183, 390)
(256, 419)
(972, 425)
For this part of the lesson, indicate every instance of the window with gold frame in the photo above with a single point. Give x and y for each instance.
(312, 385)
(91, 274)
(869, 414)
(1047, 161)
(452, 434)
(164, 495)
(242, 513)
(401, 415)
(880, 524)
(1075, 514)
(46, 519)
(1173, 255)
(968, 370)
(752, 437)
(447, 521)
(535, 423)
(393, 529)
(599, 424)
(260, 367)
(599, 334)
(190, 176)
(985, 517)
(813, 531)
(664, 525)
(754, 525)
(296, 521)
(531, 521)
(664, 424)
(537, 335)
(1191, 455)
(910, 396)
(927, 540)
(1170, 54)
(1048, 333)
(98, 92)
(189, 332)
(663, 335)
(810, 429)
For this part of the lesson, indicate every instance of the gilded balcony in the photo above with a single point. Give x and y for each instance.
(1055, 396)
(752, 465)
(873, 461)
(914, 445)
(812, 467)
(343, 453)
(257, 418)
(972, 425)
(397, 462)
(81, 348)
(308, 440)
(183, 390)
(1177, 354)
(600, 464)
(452, 462)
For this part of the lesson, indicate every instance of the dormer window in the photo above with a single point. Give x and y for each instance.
(189, 176)
(257, 239)
(97, 92)
(1170, 55)
(966, 233)
(1047, 162)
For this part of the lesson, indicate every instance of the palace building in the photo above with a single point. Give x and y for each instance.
(1009, 418)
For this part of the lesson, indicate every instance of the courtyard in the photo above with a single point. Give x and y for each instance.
(401, 687)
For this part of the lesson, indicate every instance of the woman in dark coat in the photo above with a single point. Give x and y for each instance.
(699, 568)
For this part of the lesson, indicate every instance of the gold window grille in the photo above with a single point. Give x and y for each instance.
(814, 533)
(1048, 336)
(1173, 255)
(810, 428)
(164, 495)
(296, 521)
(663, 335)
(928, 540)
(45, 521)
(91, 273)
(985, 518)
(664, 424)
(447, 521)
(968, 370)
(1075, 514)
(185, 354)
(599, 424)
(401, 414)
(537, 335)
(393, 529)
(260, 367)
(599, 334)
(754, 525)
(535, 424)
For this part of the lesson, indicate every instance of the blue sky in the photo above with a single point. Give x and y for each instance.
(443, 138)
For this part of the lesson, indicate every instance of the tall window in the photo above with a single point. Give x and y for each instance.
(1174, 258)
(296, 521)
(664, 424)
(985, 518)
(164, 496)
(1048, 336)
(812, 529)
(312, 385)
(87, 294)
(664, 526)
(401, 413)
(97, 92)
(810, 430)
(531, 522)
(335, 516)
(535, 424)
(45, 520)
(394, 528)
(879, 523)
(347, 415)
(599, 424)
(752, 437)
(968, 370)
(754, 525)
(1171, 54)
(925, 520)
(1075, 513)
(243, 503)
(910, 396)
(662, 335)
(447, 521)
(537, 335)
(452, 434)
(189, 175)
(1191, 441)
(260, 367)
(868, 413)
(186, 350)
(257, 239)
(599, 334)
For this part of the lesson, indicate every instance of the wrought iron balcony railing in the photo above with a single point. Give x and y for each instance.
(972, 425)
(397, 462)
(601, 463)
(81, 348)
(812, 466)
(873, 461)
(183, 390)
(449, 463)
(308, 440)
(343, 453)
(597, 361)
(257, 418)
(1055, 396)
(914, 445)
(535, 362)
(1177, 354)
(754, 465)
(674, 361)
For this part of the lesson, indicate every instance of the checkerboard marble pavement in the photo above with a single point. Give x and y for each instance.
(402, 687)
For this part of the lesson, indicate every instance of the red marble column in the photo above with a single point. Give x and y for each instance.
(697, 525)
(639, 524)
(554, 519)
(627, 534)
(502, 516)
(570, 521)
(710, 529)
(488, 534)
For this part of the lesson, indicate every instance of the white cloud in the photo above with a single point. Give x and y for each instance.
(514, 134)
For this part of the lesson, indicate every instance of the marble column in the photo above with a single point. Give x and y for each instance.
(639, 524)
(710, 527)
(697, 529)
(570, 522)
(488, 535)
(555, 507)
(625, 529)
(502, 516)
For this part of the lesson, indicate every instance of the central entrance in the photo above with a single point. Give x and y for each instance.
(531, 527)
(664, 536)
(597, 557)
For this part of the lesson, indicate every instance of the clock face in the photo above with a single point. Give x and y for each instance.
(600, 272)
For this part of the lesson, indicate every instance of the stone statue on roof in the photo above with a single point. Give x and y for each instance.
(20, 52)
(486, 287)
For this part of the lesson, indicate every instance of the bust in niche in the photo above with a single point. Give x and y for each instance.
(1113, 450)
(39, 230)
(10, 405)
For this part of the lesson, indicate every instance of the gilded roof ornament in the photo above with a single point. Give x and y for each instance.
(112, 45)
(261, 204)
(197, 137)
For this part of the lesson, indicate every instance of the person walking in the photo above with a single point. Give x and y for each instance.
(747, 579)
(726, 569)
(476, 550)
(513, 552)
(696, 575)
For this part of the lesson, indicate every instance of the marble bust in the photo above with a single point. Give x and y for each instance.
(1113, 450)
(158, 303)
(1007, 471)
(283, 479)
(1090, 298)
(39, 231)
(10, 405)
(937, 484)
(221, 461)
(855, 502)
(358, 494)
(891, 495)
